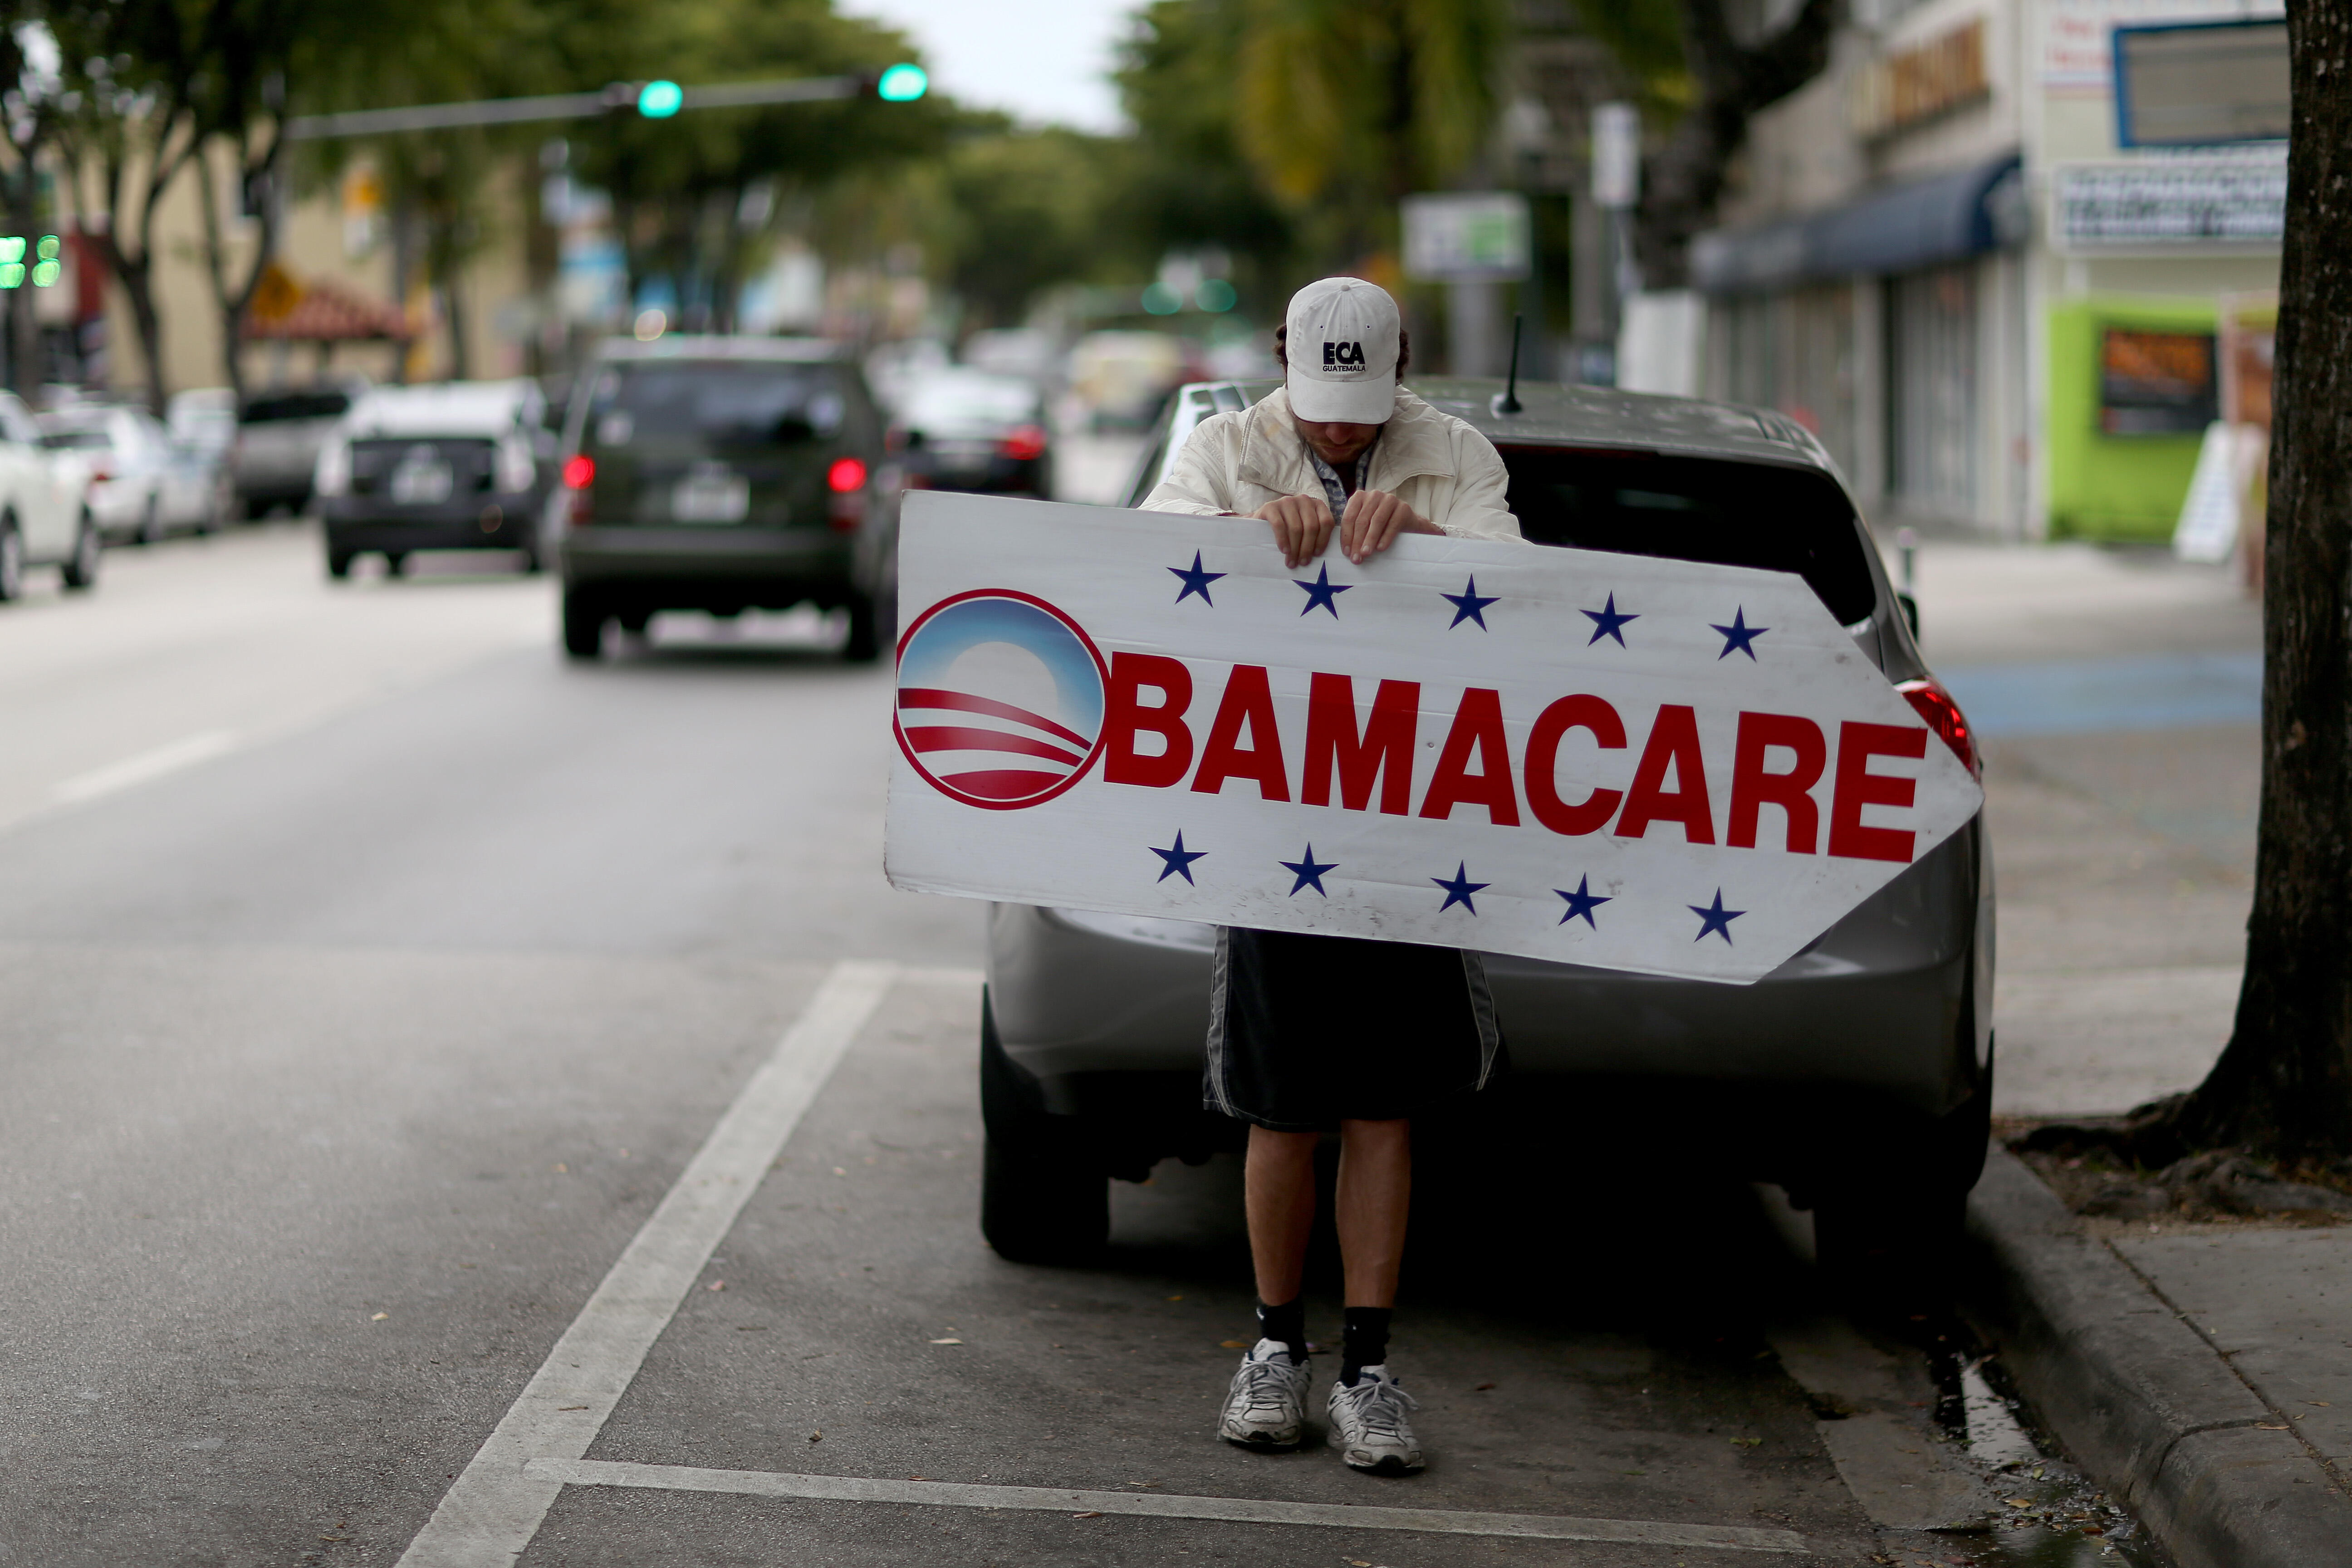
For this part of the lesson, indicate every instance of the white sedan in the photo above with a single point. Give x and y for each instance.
(138, 488)
(43, 516)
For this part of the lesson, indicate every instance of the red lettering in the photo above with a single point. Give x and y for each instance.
(1674, 742)
(1857, 787)
(1477, 725)
(1581, 711)
(1125, 717)
(1247, 702)
(1383, 752)
(1753, 787)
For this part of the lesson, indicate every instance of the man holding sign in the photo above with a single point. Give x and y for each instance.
(1308, 1032)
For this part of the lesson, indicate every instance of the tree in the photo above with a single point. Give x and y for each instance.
(1182, 180)
(31, 108)
(1729, 79)
(130, 67)
(1024, 210)
(2283, 1089)
(1344, 106)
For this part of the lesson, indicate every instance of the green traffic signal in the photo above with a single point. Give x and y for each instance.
(902, 83)
(660, 100)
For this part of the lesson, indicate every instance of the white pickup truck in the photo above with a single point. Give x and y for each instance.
(45, 517)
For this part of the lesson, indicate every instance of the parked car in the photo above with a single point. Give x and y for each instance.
(202, 425)
(1859, 1075)
(43, 518)
(724, 474)
(278, 434)
(138, 488)
(961, 429)
(461, 466)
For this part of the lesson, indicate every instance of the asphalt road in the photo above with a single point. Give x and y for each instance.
(375, 981)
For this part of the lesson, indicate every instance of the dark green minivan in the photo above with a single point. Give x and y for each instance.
(724, 474)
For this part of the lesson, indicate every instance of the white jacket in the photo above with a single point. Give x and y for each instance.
(1434, 463)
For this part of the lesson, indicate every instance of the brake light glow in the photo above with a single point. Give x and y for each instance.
(847, 474)
(1027, 441)
(1944, 716)
(579, 471)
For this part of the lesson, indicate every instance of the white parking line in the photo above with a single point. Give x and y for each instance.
(1237, 1510)
(491, 1513)
(168, 758)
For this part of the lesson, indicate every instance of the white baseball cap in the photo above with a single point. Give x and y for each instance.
(1342, 351)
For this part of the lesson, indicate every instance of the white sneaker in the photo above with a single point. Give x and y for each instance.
(1369, 1423)
(1266, 1407)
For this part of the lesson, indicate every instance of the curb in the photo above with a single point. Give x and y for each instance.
(2142, 1400)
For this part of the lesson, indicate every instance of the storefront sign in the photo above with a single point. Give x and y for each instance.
(2155, 383)
(1466, 237)
(1914, 85)
(2168, 202)
(1613, 759)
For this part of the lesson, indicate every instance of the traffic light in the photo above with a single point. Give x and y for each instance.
(660, 100)
(902, 83)
(45, 267)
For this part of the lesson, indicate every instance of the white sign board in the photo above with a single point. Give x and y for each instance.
(2170, 202)
(1466, 237)
(1607, 760)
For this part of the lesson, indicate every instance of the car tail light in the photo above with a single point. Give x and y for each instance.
(847, 474)
(580, 478)
(1944, 716)
(1027, 442)
(100, 471)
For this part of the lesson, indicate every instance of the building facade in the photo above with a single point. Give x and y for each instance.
(1989, 277)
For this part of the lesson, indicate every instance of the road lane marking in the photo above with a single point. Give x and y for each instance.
(139, 768)
(491, 1513)
(1234, 1511)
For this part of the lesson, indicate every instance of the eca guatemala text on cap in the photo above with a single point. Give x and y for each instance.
(1341, 347)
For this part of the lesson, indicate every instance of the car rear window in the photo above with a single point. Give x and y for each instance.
(274, 407)
(982, 401)
(77, 441)
(1696, 508)
(725, 402)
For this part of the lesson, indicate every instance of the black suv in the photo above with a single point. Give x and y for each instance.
(724, 474)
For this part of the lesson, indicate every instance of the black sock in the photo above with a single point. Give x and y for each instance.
(1288, 1323)
(1366, 1342)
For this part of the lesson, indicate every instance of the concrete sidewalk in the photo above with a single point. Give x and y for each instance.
(2202, 1371)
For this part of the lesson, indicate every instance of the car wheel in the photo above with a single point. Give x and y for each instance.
(1043, 1198)
(395, 564)
(339, 564)
(150, 523)
(870, 628)
(583, 624)
(80, 569)
(12, 560)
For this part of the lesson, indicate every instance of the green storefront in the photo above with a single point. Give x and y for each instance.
(2132, 387)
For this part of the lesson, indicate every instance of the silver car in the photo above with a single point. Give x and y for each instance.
(1858, 1075)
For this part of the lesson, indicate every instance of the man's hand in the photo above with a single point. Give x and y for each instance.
(1302, 526)
(1373, 521)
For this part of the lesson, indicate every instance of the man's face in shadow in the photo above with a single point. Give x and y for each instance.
(1336, 441)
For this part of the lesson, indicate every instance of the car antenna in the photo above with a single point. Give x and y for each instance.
(1508, 402)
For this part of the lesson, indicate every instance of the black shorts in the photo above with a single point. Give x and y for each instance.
(1307, 1031)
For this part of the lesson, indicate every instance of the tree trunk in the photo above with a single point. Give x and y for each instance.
(2284, 1087)
(1684, 180)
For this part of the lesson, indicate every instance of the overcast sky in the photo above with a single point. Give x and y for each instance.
(1045, 60)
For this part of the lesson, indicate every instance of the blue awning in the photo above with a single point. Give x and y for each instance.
(1920, 223)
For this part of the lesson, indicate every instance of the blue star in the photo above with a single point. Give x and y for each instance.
(1583, 902)
(1459, 889)
(1716, 920)
(1196, 581)
(1179, 859)
(1468, 606)
(1738, 635)
(1605, 622)
(1309, 873)
(1322, 591)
